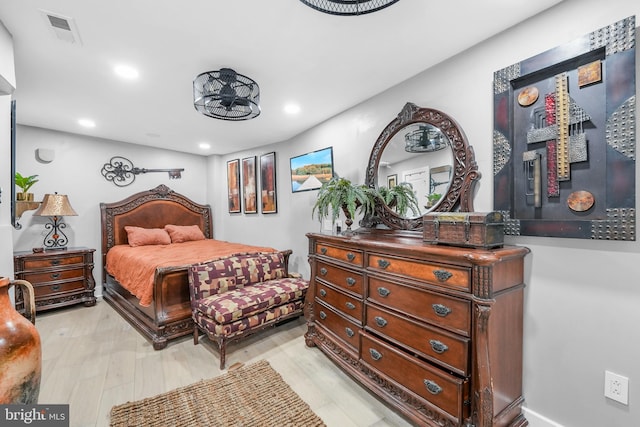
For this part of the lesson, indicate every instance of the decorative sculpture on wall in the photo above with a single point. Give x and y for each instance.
(121, 171)
(564, 139)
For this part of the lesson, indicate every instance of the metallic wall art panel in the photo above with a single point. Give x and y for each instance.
(564, 144)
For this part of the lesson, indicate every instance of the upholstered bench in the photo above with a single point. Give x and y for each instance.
(238, 295)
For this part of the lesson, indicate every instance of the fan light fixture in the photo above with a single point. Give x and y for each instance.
(348, 7)
(424, 139)
(226, 95)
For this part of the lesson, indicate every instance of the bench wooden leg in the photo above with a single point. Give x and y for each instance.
(222, 345)
(195, 334)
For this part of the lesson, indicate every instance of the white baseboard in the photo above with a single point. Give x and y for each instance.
(538, 420)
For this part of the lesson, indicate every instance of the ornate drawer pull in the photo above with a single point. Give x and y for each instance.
(380, 321)
(55, 287)
(323, 251)
(438, 346)
(55, 262)
(432, 387)
(350, 305)
(323, 293)
(351, 281)
(383, 263)
(375, 354)
(349, 332)
(351, 256)
(323, 271)
(323, 315)
(55, 275)
(383, 292)
(441, 310)
(442, 275)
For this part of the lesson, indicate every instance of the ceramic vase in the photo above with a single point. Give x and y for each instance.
(20, 348)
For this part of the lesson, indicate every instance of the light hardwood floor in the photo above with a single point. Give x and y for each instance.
(93, 359)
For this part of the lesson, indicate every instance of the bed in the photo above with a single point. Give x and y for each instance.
(163, 312)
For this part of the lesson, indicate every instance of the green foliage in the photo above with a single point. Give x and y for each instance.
(340, 194)
(25, 182)
(314, 169)
(401, 198)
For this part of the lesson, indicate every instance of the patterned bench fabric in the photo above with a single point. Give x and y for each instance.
(239, 327)
(234, 272)
(244, 302)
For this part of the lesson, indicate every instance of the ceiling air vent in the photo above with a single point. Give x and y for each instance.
(62, 27)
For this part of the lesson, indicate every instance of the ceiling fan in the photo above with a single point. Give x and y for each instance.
(227, 95)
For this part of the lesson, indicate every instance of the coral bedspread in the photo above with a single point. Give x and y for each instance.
(134, 267)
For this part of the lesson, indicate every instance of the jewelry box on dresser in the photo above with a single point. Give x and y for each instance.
(433, 330)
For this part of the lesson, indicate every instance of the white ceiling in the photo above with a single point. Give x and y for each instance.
(325, 63)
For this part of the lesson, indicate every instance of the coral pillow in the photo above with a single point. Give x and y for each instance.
(184, 233)
(139, 236)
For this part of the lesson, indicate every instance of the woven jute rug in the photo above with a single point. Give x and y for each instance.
(253, 395)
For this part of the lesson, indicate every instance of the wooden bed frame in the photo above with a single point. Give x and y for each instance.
(169, 315)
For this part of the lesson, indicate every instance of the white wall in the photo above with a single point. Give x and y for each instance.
(76, 172)
(581, 297)
(7, 84)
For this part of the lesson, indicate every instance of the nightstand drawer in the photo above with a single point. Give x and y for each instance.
(49, 276)
(49, 290)
(33, 264)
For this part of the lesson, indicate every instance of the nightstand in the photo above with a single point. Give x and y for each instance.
(59, 277)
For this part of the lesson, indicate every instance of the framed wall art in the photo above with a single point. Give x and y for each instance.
(392, 180)
(268, 195)
(233, 185)
(249, 185)
(564, 139)
(309, 171)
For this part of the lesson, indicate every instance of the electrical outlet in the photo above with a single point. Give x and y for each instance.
(616, 387)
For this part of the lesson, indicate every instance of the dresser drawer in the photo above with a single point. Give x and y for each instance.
(52, 289)
(48, 276)
(345, 255)
(448, 312)
(449, 350)
(340, 301)
(38, 263)
(441, 275)
(345, 329)
(345, 279)
(442, 392)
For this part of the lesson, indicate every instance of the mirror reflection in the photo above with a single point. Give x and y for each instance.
(418, 160)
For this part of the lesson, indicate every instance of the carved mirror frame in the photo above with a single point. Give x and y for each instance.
(465, 170)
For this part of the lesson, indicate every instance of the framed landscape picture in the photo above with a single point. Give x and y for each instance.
(249, 185)
(268, 195)
(233, 185)
(309, 171)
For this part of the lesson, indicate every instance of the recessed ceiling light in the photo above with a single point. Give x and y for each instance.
(204, 145)
(88, 123)
(126, 72)
(292, 108)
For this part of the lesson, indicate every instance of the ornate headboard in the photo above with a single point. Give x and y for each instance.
(154, 208)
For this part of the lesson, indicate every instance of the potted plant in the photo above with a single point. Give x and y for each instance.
(339, 194)
(25, 183)
(400, 198)
(432, 199)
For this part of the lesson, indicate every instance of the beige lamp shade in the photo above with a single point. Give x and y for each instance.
(55, 205)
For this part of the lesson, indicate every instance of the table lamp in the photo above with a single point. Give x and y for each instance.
(55, 206)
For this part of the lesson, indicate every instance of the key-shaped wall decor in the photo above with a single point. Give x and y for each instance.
(121, 171)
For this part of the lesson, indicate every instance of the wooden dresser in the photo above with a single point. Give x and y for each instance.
(435, 331)
(59, 277)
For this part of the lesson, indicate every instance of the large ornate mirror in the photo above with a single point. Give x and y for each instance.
(428, 150)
